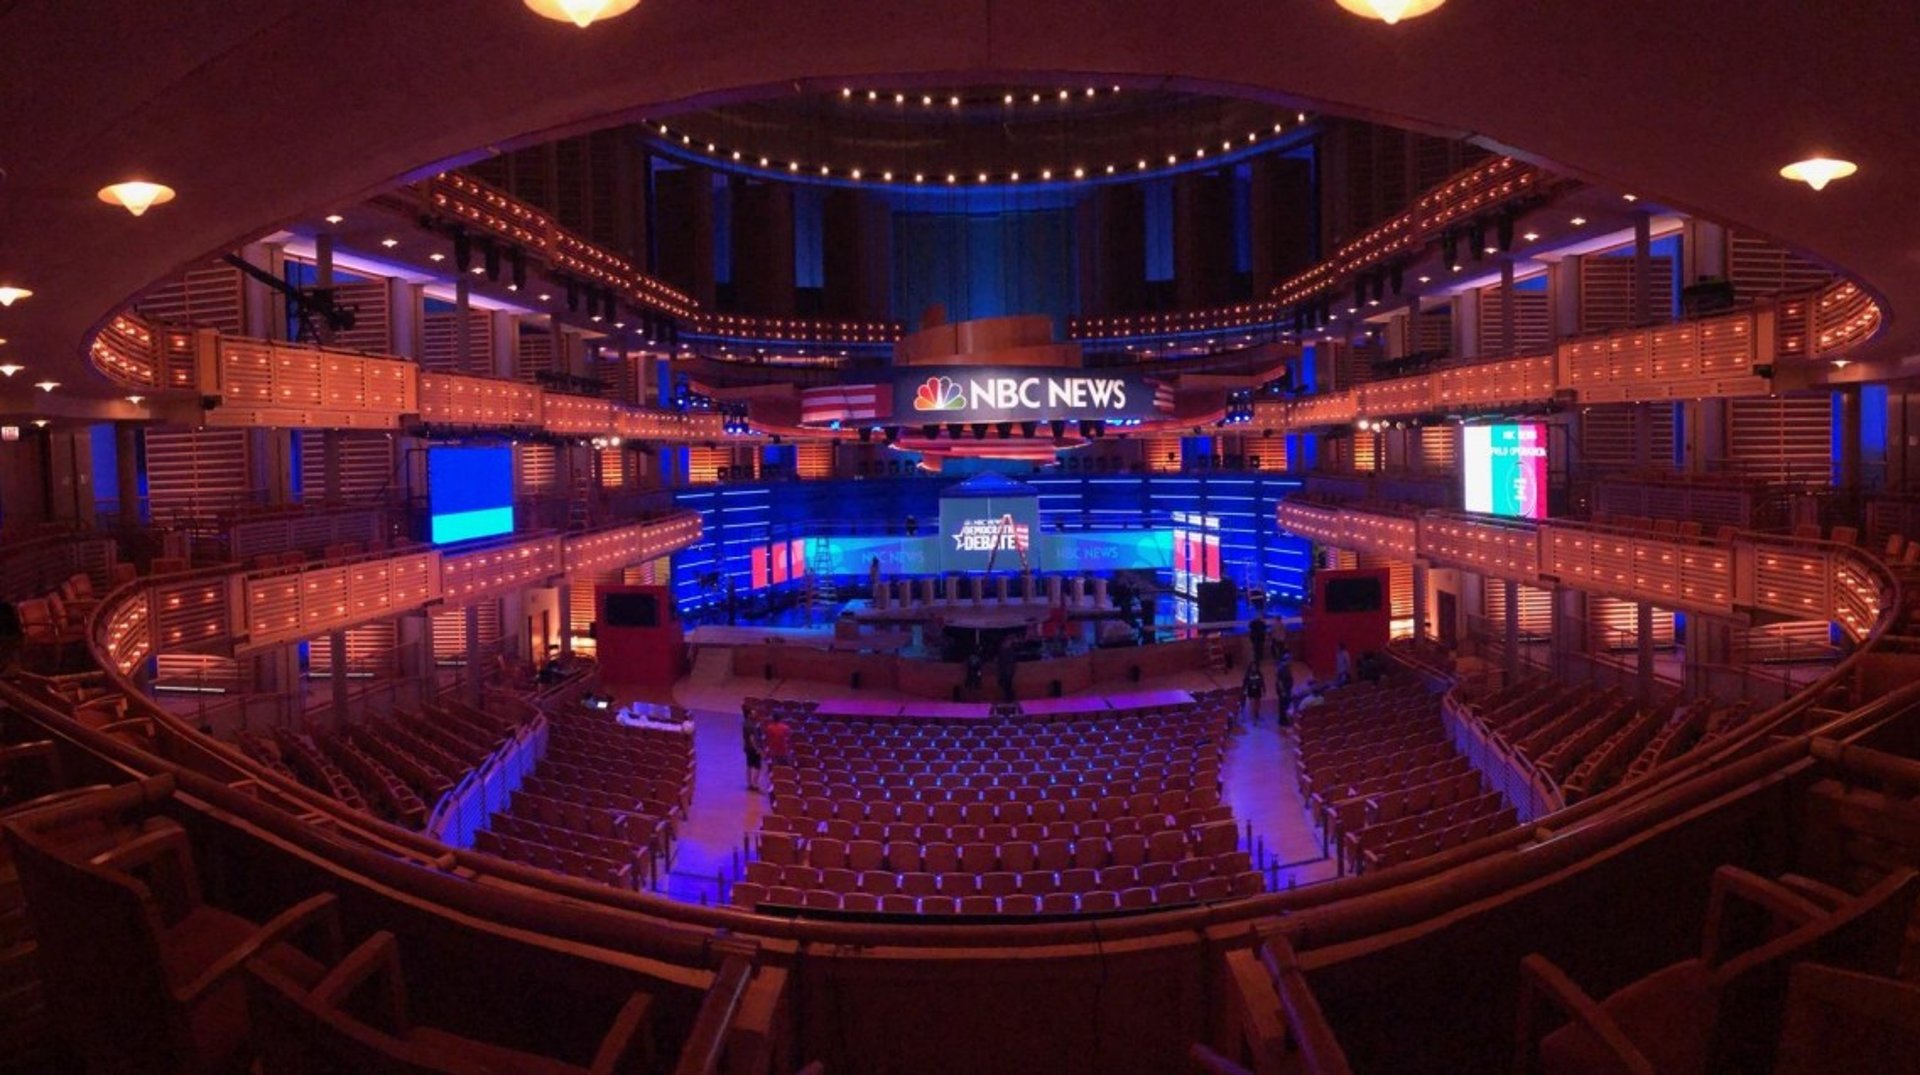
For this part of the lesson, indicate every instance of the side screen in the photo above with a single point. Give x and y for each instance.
(469, 492)
(1505, 469)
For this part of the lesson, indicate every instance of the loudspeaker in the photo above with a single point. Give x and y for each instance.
(1218, 602)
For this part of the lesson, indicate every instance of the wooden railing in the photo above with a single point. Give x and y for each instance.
(1802, 578)
(489, 209)
(253, 382)
(1718, 356)
(232, 606)
(1478, 189)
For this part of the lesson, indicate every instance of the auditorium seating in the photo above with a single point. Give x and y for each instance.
(1013, 815)
(601, 804)
(1383, 783)
(1718, 1011)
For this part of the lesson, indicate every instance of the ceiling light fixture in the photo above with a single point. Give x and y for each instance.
(1532, 237)
(136, 400)
(1578, 221)
(1817, 172)
(389, 243)
(581, 13)
(10, 295)
(334, 218)
(39, 423)
(436, 256)
(136, 196)
(1390, 11)
(46, 386)
(11, 368)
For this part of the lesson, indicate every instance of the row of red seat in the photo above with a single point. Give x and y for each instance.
(1037, 881)
(1031, 832)
(1141, 897)
(544, 854)
(1017, 856)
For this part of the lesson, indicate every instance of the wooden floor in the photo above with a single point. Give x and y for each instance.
(1258, 774)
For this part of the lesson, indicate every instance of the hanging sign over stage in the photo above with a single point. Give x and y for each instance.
(974, 394)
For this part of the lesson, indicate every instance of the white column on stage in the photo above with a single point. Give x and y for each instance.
(1053, 589)
(1000, 589)
(926, 591)
(904, 592)
(979, 588)
(1027, 588)
(1079, 590)
(882, 595)
(1100, 593)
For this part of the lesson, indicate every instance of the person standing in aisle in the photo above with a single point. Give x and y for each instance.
(1257, 637)
(1283, 686)
(1254, 686)
(1342, 666)
(750, 742)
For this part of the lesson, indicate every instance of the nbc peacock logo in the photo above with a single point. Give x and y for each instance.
(939, 394)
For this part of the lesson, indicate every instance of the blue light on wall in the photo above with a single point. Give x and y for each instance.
(1158, 199)
(469, 492)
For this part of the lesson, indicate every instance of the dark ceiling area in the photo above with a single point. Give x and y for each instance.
(1012, 134)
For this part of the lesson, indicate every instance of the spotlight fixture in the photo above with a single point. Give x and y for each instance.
(46, 386)
(581, 13)
(136, 400)
(10, 368)
(1817, 172)
(1390, 11)
(39, 423)
(389, 243)
(1532, 236)
(136, 196)
(1578, 221)
(335, 218)
(10, 295)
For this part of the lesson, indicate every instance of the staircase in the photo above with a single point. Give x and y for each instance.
(1216, 656)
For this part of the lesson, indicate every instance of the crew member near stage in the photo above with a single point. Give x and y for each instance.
(1257, 637)
(1007, 661)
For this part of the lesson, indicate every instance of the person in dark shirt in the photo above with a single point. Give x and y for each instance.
(1254, 685)
(750, 742)
(976, 665)
(1283, 686)
(1257, 637)
(1007, 661)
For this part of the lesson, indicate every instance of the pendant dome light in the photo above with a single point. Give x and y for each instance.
(581, 13)
(1390, 11)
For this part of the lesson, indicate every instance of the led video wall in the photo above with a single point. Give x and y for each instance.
(469, 492)
(1504, 468)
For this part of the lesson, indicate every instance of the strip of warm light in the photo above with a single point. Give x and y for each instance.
(1387, 11)
(136, 196)
(11, 295)
(1817, 172)
(581, 13)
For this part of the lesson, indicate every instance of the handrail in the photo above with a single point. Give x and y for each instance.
(486, 787)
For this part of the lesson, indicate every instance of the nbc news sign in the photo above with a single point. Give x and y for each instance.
(970, 394)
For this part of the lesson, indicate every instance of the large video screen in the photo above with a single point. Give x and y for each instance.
(469, 492)
(1505, 469)
(979, 533)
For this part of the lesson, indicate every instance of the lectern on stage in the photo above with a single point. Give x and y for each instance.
(638, 637)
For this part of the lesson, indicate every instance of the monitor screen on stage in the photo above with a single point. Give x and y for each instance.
(981, 533)
(1505, 469)
(1353, 595)
(469, 492)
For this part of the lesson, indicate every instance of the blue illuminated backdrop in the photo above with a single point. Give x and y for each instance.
(469, 492)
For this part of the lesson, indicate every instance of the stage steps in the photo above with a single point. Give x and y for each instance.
(1216, 655)
(711, 665)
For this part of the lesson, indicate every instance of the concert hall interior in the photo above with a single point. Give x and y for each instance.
(700, 536)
